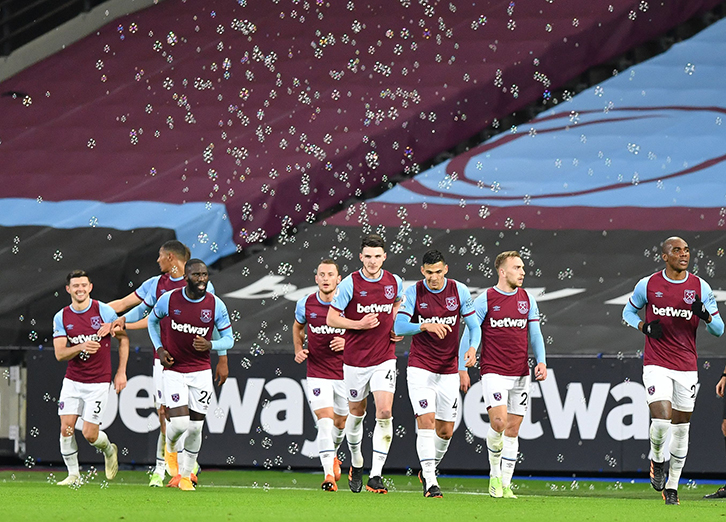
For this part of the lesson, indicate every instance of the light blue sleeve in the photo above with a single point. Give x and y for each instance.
(467, 303)
(399, 287)
(403, 324)
(472, 332)
(223, 324)
(636, 302)
(343, 294)
(481, 307)
(148, 289)
(108, 314)
(161, 309)
(59, 330)
(716, 326)
(138, 312)
(300, 310)
(537, 341)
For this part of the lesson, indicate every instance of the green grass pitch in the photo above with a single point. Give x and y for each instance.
(276, 495)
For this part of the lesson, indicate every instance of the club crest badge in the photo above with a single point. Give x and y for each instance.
(497, 396)
(61, 404)
(523, 307)
(206, 315)
(316, 392)
(423, 403)
(96, 322)
(158, 393)
(452, 304)
(689, 296)
(651, 390)
(175, 397)
(354, 393)
(389, 291)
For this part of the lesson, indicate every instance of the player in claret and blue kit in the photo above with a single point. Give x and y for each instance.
(365, 304)
(675, 302)
(509, 319)
(324, 355)
(183, 345)
(86, 384)
(432, 311)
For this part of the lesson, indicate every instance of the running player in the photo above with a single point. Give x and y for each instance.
(324, 356)
(86, 384)
(430, 312)
(508, 316)
(365, 304)
(183, 345)
(673, 311)
(172, 256)
(720, 388)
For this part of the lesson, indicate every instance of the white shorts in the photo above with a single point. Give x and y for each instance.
(192, 389)
(327, 393)
(505, 390)
(360, 381)
(433, 393)
(158, 375)
(85, 399)
(678, 388)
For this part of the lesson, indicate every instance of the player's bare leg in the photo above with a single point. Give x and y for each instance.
(660, 424)
(354, 434)
(326, 447)
(444, 432)
(720, 492)
(99, 440)
(382, 438)
(69, 449)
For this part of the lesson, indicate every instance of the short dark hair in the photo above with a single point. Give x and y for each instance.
(373, 241)
(504, 256)
(193, 262)
(432, 257)
(77, 273)
(179, 249)
(329, 261)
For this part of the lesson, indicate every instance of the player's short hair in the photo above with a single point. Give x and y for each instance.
(179, 249)
(191, 263)
(77, 273)
(329, 261)
(668, 242)
(432, 257)
(504, 256)
(373, 241)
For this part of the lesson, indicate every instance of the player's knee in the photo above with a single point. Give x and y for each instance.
(179, 424)
(339, 422)
(90, 435)
(445, 433)
(498, 424)
(384, 413)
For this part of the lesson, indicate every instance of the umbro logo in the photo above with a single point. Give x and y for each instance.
(659, 294)
(496, 308)
(313, 315)
(423, 306)
(363, 293)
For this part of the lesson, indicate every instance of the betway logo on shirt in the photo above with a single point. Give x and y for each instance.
(507, 322)
(669, 311)
(188, 328)
(326, 330)
(374, 308)
(79, 339)
(451, 320)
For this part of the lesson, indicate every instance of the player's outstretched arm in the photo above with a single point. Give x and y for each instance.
(121, 305)
(119, 380)
(404, 326)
